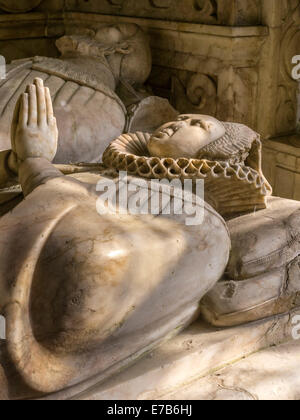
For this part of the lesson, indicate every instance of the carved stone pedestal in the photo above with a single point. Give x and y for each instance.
(177, 369)
(254, 361)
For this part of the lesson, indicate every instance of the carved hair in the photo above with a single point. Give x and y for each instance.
(233, 147)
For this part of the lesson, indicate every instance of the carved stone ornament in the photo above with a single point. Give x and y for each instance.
(229, 165)
(161, 4)
(116, 3)
(19, 6)
(206, 7)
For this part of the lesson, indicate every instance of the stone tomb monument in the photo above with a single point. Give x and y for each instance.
(84, 295)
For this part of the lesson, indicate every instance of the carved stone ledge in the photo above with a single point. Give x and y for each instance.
(247, 31)
(12, 24)
(17, 6)
(31, 25)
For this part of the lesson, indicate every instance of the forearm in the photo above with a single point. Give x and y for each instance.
(34, 172)
(7, 174)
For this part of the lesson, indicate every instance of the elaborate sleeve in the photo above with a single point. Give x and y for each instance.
(34, 172)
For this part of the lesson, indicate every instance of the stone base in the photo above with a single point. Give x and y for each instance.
(179, 367)
(281, 166)
(271, 374)
(255, 361)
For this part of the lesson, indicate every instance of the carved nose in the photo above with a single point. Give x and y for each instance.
(180, 124)
(202, 123)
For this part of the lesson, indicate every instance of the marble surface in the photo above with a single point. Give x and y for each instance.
(263, 274)
(269, 375)
(201, 362)
(185, 137)
(107, 301)
(229, 166)
(196, 353)
(92, 287)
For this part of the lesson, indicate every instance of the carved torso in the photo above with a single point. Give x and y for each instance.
(89, 113)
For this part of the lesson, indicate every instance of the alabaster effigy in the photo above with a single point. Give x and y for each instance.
(262, 278)
(83, 293)
(96, 87)
(227, 156)
(84, 298)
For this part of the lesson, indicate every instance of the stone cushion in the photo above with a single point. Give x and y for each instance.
(263, 275)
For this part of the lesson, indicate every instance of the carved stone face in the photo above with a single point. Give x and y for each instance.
(185, 137)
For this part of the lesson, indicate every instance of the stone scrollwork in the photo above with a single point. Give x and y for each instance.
(290, 48)
(200, 90)
(116, 3)
(286, 110)
(206, 7)
(211, 12)
(17, 6)
(291, 7)
(287, 102)
(237, 90)
(198, 94)
(161, 4)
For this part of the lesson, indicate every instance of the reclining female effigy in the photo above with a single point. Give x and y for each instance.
(85, 294)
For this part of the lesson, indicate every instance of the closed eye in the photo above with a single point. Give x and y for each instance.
(183, 118)
(198, 123)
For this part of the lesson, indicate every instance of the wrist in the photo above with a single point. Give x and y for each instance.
(34, 172)
(12, 163)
